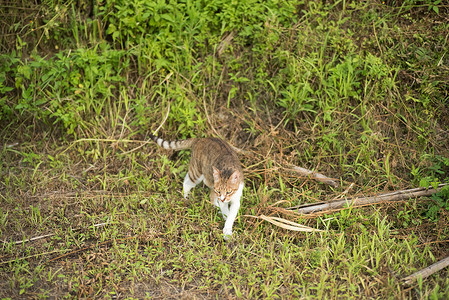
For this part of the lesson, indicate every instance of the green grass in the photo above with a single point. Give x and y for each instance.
(357, 91)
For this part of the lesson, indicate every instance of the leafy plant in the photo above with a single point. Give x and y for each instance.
(91, 78)
(8, 63)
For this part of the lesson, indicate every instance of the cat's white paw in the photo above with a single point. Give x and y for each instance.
(186, 194)
(227, 233)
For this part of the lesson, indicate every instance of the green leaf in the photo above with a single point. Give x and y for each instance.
(424, 182)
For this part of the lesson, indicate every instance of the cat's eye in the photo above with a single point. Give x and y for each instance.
(229, 192)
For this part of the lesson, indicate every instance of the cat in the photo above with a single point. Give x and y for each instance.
(214, 162)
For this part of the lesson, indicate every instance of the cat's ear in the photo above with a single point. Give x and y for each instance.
(216, 174)
(234, 178)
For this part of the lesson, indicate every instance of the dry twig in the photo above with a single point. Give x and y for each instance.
(426, 272)
(360, 201)
(47, 235)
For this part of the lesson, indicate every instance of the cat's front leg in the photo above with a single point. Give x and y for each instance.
(234, 206)
(232, 214)
(224, 207)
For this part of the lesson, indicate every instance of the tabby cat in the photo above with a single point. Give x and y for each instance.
(215, 163)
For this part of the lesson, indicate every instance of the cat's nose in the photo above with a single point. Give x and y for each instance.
(222, 198)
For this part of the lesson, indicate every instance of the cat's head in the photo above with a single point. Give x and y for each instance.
(226, 183)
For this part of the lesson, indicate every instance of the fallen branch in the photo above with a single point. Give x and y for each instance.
(360, 201)
(426, 272)
(313, 175)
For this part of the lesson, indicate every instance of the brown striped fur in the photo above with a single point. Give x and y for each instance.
(212, 158)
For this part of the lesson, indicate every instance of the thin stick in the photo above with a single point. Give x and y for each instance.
(426, 272)
(345, 192)
(155, 132)
(31, 239)
(105, 140)
(67, 253)
(30, 256)
(46, 235)
(359, 201)
(79, 250)
(377, 40)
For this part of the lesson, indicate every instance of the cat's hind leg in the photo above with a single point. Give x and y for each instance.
(189, 184)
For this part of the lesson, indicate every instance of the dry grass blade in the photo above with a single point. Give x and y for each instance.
(30, 239)
(165, 119)
(224, 43)
(313, 175)
(155, 132)
(286, 224)
(346, 191)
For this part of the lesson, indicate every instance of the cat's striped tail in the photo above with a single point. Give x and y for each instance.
(173, 145)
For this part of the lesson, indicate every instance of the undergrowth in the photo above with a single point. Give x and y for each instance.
(354, 90)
